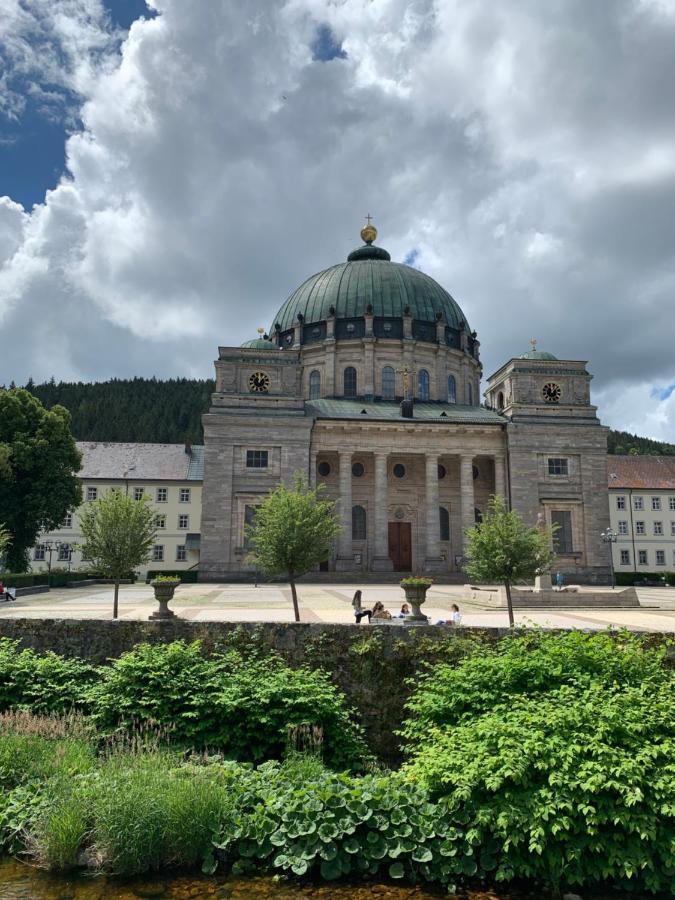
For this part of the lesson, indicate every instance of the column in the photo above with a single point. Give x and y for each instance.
(380, 559)
(500, 477)
(433, 561)
(467, 502)
(345, 557)
(312, 469)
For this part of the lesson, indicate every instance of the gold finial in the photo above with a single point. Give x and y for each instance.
(261, 331)
(369, 231)
(533, 341)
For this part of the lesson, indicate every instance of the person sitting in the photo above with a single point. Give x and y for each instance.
(359, 611)
(455, 617)
(379, 612)
(405, 611)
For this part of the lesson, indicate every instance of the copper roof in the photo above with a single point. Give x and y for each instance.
(641, 472)
(140, 462)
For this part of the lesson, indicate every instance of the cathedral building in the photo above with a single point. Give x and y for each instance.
(369, 382)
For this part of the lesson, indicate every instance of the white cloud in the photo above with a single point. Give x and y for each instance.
(524, 150)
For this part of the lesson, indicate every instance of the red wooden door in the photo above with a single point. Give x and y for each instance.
(400, 546)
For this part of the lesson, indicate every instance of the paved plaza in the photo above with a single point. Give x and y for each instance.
(326, 603)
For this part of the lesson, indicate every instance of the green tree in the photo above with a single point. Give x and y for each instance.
(292, 532)
(502, 548)
(38, 466)
(118, 535)
(5, 541)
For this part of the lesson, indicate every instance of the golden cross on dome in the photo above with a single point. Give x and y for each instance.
(261, 331)
(533, 341)
(369, 218)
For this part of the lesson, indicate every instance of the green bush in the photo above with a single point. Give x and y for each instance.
(575, 787)
(186, 576)
(242, 706)
(23, 579)
(628, 578)
(45, 683)
(527, 665)
(31, 758)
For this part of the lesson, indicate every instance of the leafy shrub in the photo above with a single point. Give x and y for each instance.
(527, 665)
(186, 576)
(20, 809)
(45, 683)
(576, 786)
(338, 825)
(242, 706)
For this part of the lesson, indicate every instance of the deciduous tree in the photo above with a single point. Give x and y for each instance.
(292, 532)
(118, 536)
(503, 549)
(38, 466)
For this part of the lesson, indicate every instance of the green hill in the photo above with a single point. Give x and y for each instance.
(146, 409)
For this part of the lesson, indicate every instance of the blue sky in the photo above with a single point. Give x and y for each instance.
(32, 147)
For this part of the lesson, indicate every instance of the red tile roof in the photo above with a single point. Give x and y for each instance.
(641, 472)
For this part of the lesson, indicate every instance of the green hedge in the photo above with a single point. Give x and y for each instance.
(187, 576)
(24, 579)
(630, 578)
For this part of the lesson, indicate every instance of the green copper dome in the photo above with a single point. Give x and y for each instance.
(537, 354)
(369, 283)
(258, 344)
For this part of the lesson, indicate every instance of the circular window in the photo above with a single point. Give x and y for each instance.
(399, 470)
(441, 472)
(357, 470)
(324, 469)
(476, 473)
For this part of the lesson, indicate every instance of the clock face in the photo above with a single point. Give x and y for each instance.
(551, 392)
(259, 383)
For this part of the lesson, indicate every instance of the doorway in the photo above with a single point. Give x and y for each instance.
(400, 546)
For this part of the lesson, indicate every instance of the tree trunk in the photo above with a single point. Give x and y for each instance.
(296, 608)
(116, 600)
(509, 603)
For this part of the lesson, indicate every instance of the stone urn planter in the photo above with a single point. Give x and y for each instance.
(164, 589)
(415, 589)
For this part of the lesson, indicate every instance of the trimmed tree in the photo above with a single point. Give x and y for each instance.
(118, 536)
(38, 471)
(292, 532)
(503, 549)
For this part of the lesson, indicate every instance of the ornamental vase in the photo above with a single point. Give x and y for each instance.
(416, 595)
(164, 591)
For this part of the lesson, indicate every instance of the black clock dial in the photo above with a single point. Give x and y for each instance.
(259, 383)
(551, 392)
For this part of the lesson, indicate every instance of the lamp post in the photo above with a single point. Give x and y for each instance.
(610, 537)
(50, 547)
(126, 479)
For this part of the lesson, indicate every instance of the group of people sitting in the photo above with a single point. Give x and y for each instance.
(379, 612)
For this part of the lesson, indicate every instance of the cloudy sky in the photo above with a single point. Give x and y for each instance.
(172, 171)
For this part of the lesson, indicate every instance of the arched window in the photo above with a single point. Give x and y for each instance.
(423, 384)
(470, 393)
(358, 523)
(500, 400)
(445, 523)
(388, 383)
(314, 385)
(350, 382)
(452, 389)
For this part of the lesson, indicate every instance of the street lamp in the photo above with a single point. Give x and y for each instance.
(610, 537)
(126, 477)
(50, 547)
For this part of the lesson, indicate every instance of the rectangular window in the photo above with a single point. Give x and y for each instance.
(181, 553)
(638, 503)
(64, 552)
(620, 502)
(625, 557)
(562, 535)
(39, 552)
(658, 527)
(623, 527)
(642, 557)
(160, 521)
(672, 528)
(256, 459)
(660, 557)
(68, 521)
(138, 493)
(161, 495)
(656, 503)
(671, 502)
(184, 495)
(158, 553)
(639, 528)
(92, 493)
(557, 466)
(183, 520)
(249, 513)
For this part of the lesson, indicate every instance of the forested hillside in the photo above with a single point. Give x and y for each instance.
(145, 409)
